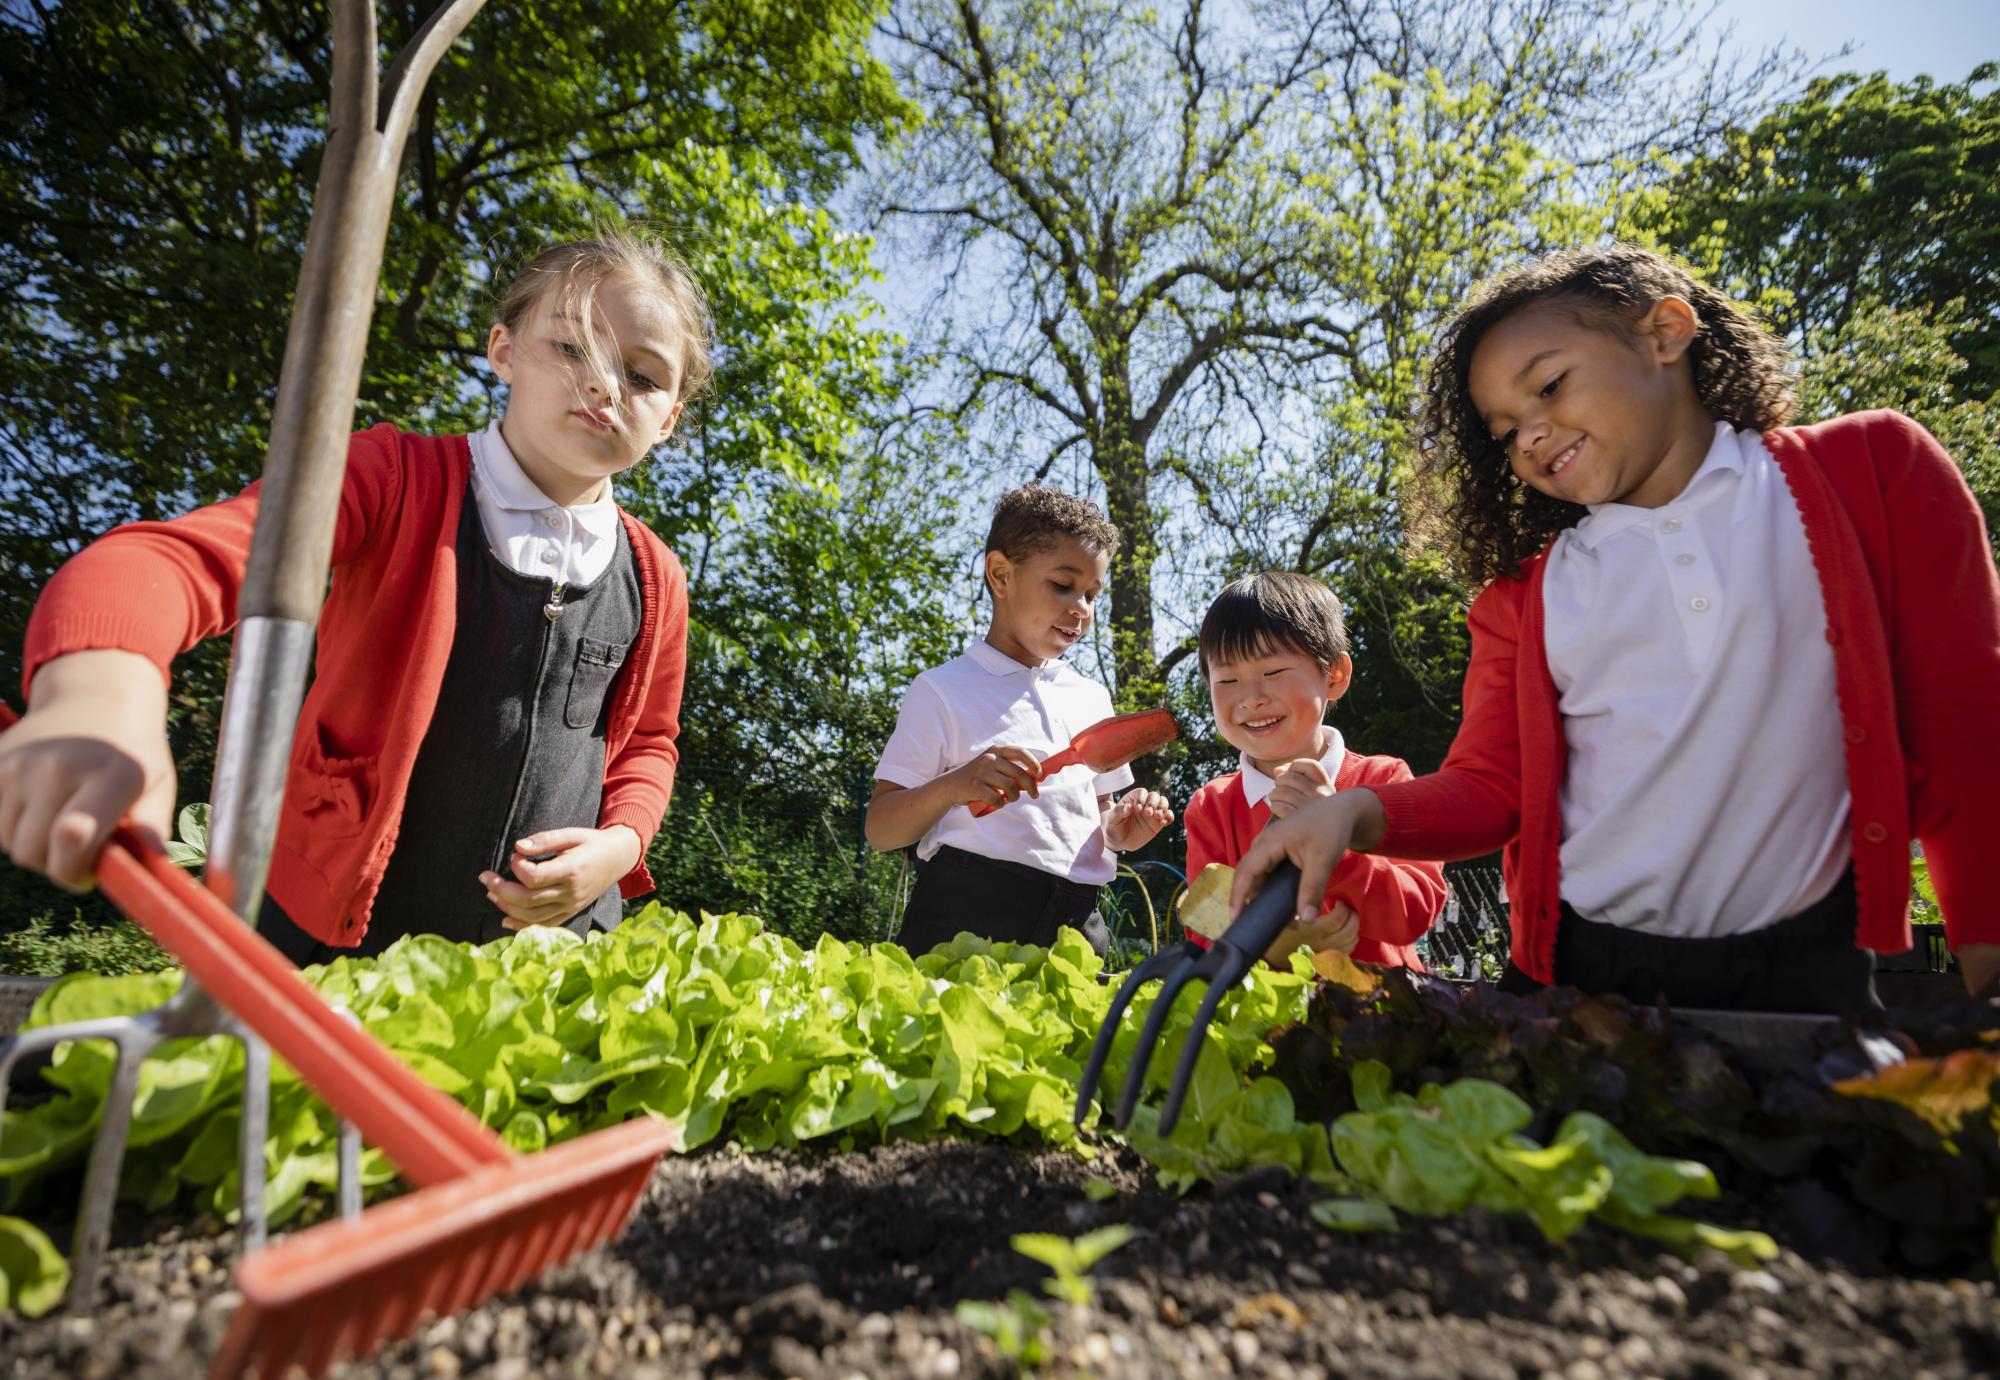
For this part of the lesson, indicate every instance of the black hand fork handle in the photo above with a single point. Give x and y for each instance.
(1224, 965)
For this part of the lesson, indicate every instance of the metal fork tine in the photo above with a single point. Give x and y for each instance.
(1149, 1035)
(186, 1015)
(107, 1154)
(1231, 967)
(1154, 965)
(252, 1131)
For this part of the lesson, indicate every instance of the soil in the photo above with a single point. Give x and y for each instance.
(828, 1267)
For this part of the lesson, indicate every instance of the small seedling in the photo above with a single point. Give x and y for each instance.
(1018, 1327)
(1070, 1261)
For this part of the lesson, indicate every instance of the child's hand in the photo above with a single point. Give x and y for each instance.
(1132, 822)
(587, 863)
(1335, 931)
(1296, 783)
(1315, 837)
(997, 777)
(91, 749)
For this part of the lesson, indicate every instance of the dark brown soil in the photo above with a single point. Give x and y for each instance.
(830, 1267)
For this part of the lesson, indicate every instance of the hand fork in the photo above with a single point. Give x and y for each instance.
(1224, 964)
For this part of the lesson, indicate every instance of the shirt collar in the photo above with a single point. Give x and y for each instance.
(1607, 520)
(1256, 785)
(997, 662)
(505, 485)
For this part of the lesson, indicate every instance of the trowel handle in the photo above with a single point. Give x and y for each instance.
(1068, 757)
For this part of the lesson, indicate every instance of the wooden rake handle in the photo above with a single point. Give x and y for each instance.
(314, 413)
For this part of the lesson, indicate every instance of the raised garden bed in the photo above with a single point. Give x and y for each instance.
(811, 1261)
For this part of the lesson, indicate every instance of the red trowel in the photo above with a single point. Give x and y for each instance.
(1107, 745)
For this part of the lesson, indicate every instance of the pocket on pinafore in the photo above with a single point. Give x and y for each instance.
(596, 667)
(332, 789)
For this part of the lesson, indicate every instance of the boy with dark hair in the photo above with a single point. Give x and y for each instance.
(1274, 652)
(974, 731)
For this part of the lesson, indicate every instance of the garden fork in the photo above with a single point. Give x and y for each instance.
(1241, 947)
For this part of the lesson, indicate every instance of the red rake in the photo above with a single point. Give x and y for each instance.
(433, 1252)
(1106, 746)
(484, 1219)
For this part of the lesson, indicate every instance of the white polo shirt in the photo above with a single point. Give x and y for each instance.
(1706, 788)
(529, 532)
(985, 699)
(1257, 786)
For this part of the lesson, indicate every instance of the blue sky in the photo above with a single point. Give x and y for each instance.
(1944, 39)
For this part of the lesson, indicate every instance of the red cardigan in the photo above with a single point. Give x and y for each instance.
(1395, 900)
(158, 588)
(1913, 613)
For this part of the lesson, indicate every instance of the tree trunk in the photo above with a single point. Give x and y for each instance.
(1137, 683)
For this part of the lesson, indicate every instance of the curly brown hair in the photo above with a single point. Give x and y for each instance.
(1032, 518)
(1490, 523)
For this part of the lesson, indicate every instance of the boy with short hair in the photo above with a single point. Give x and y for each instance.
(975, 729)
(1274, 652)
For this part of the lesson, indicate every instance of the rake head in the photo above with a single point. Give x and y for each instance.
(1223, 965)
(341, 1289)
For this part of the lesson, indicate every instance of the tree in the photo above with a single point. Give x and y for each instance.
(156, 170)
(1883, 356)
(1202, 253)
(835, 601)
(1862, 191)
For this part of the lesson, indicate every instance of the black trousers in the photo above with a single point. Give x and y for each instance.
(1804, 963)
(996, 899)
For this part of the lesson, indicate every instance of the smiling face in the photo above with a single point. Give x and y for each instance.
(1586, 414)
(582, 407)
(1043, 603)
(1271, 706)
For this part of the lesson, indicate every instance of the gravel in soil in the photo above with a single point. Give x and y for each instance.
(827, 1267)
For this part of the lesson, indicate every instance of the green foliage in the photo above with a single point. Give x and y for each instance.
(1860, 192)
(1905, 357)
(1892, 1148)
(157, 175)
(44, 946)
(726, 1029)
(1070, 1260)
(815, 606)
(1201, 260)
(1019, 1327)
(1229, 1124)
(33, 1273)
(1455, 1146)
(1354, 1214)
(734, 1032)
(189, 846)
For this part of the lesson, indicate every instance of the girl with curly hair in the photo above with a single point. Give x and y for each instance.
(1723, 669)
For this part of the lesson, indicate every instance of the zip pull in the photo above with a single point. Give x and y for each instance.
(553, 609)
